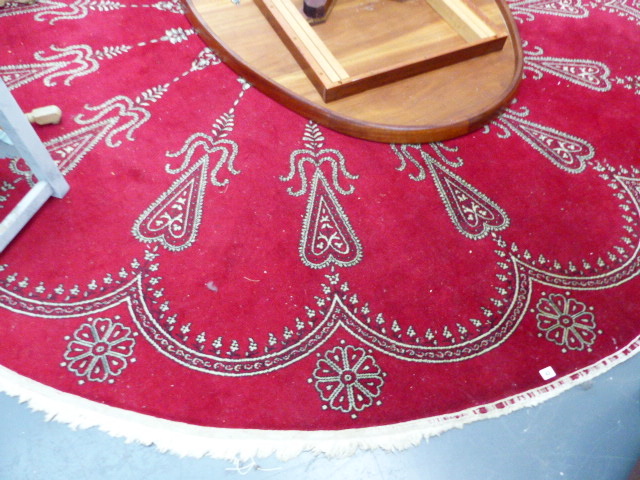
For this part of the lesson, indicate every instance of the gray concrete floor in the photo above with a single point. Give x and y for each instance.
(591, 432)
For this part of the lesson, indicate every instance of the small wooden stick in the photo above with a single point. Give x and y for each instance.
(45, 115)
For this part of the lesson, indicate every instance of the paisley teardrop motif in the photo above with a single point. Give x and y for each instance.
(472, 212)
(173, 219)
(327, 236)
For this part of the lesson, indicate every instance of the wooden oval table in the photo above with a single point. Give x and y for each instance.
(408, 71)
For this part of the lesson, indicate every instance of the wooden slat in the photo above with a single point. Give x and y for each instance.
(463, 19)
(310, 40)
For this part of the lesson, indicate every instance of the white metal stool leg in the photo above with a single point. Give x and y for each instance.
(23, 142)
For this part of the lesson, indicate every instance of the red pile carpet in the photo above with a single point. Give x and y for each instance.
(228, 278)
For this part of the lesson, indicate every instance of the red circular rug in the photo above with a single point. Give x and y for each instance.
(227, 278)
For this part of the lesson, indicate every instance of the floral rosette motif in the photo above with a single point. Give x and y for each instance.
(99, 350)
(348, 379)
(566, 322)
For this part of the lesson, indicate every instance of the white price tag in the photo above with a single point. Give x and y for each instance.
(547, 372)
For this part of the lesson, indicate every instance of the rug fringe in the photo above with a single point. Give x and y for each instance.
(187, 440)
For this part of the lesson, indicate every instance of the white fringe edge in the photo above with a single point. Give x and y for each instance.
(241, 445)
